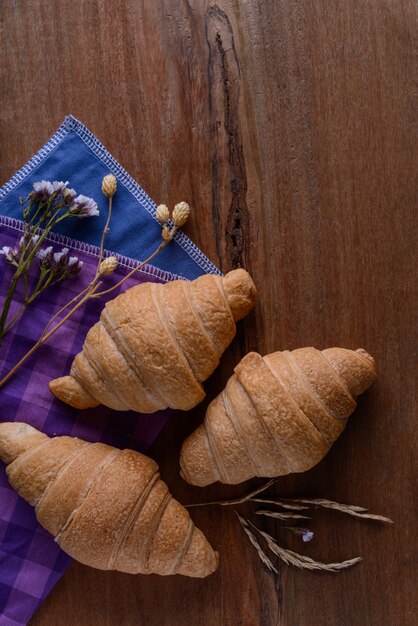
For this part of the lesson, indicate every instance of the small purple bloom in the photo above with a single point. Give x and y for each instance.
(59, 186)
(44, 186)
(45, 258)
(9, 254)
(305, 533)
(41, 191)
(74, 266)
(69, 195)
(12, 255)
(28, 242)
(61, 260)
(84, 207)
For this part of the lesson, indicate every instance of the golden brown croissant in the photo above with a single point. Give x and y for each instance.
(107, 508)
(155, 344)
(277, 414)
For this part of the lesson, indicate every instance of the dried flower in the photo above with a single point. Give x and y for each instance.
(305, 533)
(74, 266)
(108, 266)
(181, 214)
(41, 191)
(166, 233)
(61, 259)
(28, 242)
(58, 186)
(84, 207)
(10, 254)
(109, 185)
(69, 195)
(59, 262)
(45, 257)
(162, 214)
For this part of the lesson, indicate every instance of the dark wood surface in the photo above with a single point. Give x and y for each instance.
(289, 127)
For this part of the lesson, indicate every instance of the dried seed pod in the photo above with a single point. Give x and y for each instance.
(181, 214)
(162, 214)
(109, 185)
(108, 266)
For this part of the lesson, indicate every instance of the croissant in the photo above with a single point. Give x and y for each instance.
(277, 414)
(107, 508)
(155, 344)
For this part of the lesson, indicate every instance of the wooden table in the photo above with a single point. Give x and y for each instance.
(288, 126)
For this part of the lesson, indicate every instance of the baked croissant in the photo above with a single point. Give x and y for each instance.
(107, 508)
(155, 344)
(277, 414)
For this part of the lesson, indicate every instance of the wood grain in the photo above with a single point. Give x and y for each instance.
(289, 127)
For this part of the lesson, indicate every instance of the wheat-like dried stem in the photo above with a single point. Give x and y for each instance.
(282, 516)
(355, 511)
(283, 505)
(263, 556)
(300, 560)
(236, 500)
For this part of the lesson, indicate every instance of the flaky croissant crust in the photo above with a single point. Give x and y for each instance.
(277, 414)
(155, 344)
(107, 508)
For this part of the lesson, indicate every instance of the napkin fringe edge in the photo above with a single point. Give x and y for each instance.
(71, 123)
(88, 248)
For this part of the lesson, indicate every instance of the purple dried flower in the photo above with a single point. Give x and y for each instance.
(45, 258)
(10, 254)
(58, 186)
(61, 260)
(28, 242)
(305, 533)
(41, 191)
(74, 266)
(84, 207)
(69, 195)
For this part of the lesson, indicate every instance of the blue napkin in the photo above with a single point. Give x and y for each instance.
(73, 153)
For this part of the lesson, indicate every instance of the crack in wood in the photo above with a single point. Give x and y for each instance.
(228, 165)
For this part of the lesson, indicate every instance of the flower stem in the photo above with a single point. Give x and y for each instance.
(138, 267)
(43, 338)
(93, 282)
(104, 234)
(7, 304)
(36, 292)
(77, 297)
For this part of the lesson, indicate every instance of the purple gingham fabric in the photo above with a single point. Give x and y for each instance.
(30, 561)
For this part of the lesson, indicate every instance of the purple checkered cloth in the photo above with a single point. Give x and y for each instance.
(30, 561)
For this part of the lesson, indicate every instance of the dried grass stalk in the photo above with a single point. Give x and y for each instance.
(299, 560)
(263, 556)
(349, 509)
(283, 516)
(283, 505)
(237, 500)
